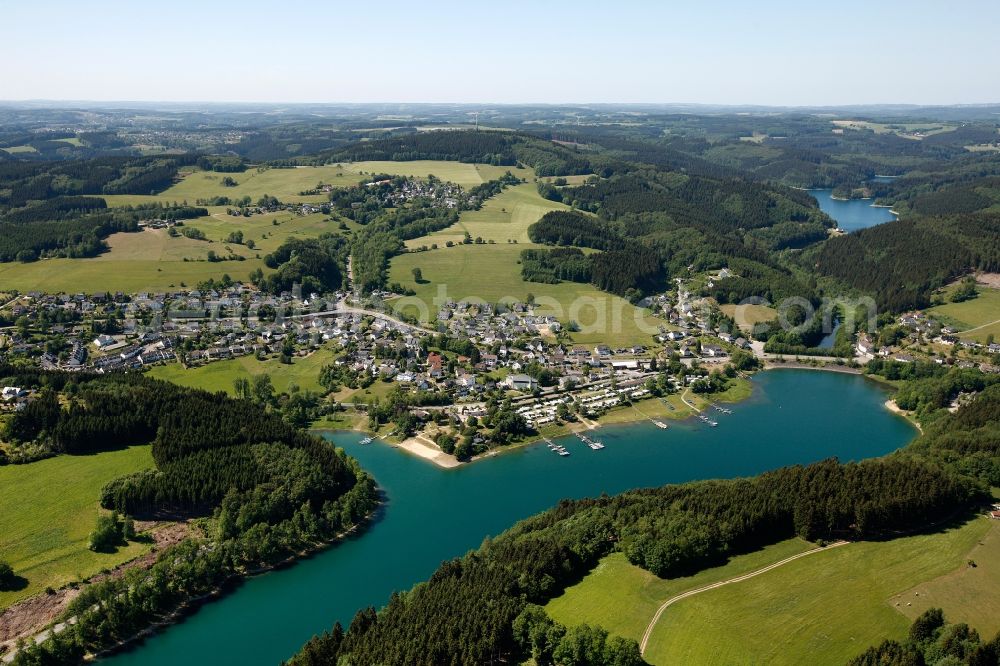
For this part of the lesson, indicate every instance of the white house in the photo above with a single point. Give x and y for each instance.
(520, 382)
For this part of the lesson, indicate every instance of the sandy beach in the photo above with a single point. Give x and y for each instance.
(423, 447)
(891, 405)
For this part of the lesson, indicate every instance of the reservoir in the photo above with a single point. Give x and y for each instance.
(853, 214)
(432, 514)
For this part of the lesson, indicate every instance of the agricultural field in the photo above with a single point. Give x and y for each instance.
(506, 217)
(491, 273)
(460, 173)
(976, 318)
(219, 375)
(825, 608)
(47, 510)
(623, 598)
(285, 184)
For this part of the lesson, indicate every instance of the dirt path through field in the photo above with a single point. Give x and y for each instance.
(737, 579)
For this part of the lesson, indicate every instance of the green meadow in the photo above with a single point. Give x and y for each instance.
(505, 217)
(14, 150)
(623, 598)
(491, 273)
(748, 315)
(825, 608)
(219, 375)
(285, 184)
(47, 510)
(112, 274)
(152, 260)
(460, 173)
(981, 313)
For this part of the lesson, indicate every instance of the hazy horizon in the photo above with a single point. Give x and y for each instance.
(781, 53)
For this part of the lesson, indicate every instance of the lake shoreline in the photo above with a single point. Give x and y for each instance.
(421, 447)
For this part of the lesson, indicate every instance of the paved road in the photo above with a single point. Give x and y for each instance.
(721, 583)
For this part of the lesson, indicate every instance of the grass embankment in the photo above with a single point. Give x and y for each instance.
(47, 510)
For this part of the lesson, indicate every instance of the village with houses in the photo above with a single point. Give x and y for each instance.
(471, 355)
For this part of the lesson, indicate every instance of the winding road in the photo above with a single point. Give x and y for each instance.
(721, 583)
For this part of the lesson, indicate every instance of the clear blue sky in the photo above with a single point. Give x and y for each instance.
(708, 51)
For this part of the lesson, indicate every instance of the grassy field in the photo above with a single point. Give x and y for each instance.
(491, 273)
(972, 314)
(579, 179)
(47, 510)
(460, 173)
(111, 274)
(219, 375)
(151, 260)
(748, 315)
(906, 130)
(282, 183)
(652, 408)
(503, 218)
(14, 150)
(969, 594)
(825, 608)
(623, 598)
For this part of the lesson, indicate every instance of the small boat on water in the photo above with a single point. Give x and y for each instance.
(660, 424)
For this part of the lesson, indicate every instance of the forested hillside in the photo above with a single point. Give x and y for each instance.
(652, 225)
(902, 262)
(271, 489)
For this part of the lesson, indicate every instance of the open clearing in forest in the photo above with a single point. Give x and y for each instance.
(748, 315)
(47, 511)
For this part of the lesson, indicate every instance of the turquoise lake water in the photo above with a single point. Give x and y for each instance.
(851, 215)
(431, 514)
